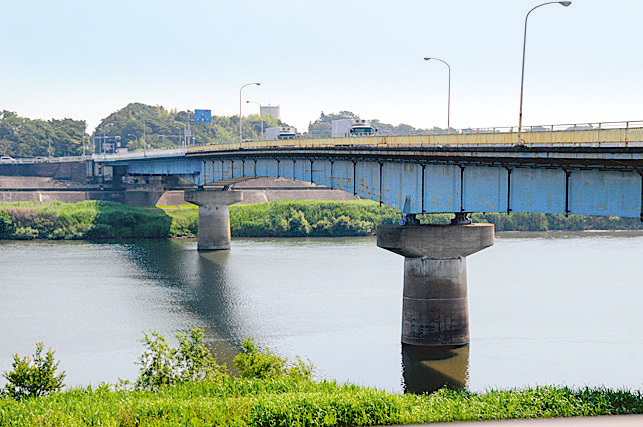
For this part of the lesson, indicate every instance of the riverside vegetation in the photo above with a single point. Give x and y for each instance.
(286, 218)
(184, 385)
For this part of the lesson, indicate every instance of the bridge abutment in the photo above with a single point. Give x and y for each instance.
(435, 307)
(214, 217)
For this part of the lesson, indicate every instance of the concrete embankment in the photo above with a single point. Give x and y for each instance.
(261, 190)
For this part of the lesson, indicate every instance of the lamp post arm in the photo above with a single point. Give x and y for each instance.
(522, 75)
(240, 129)
(449, 94)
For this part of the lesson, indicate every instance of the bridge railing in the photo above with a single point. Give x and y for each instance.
(604, 134)
(141, 154)
(599, 134)
(65, 159)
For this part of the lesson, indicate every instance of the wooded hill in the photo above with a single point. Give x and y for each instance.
(161, 128)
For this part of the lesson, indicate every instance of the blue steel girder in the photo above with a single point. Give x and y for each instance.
(599, 182)
(560, 180)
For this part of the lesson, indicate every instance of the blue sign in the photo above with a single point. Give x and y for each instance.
(202, 116)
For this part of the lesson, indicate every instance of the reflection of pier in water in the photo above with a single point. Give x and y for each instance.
(427, 369)
(208, 286)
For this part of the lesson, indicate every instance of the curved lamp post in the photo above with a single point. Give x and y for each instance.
(185, 132)
(240, 131)
(449, 98)
(260, 116)
(102, 146)
(522, 77)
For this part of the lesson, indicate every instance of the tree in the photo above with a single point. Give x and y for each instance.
(322, 127)
(22, 137)
(35, 377)
(162, 364)
(166, 128)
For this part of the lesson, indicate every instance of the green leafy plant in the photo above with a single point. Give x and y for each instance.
(6, 223)
(35, 377)
(255, 364)
(163, 364)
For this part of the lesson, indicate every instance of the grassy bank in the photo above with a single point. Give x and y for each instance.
(286, 218)
(301, 402)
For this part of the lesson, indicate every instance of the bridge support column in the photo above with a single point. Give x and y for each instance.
(435, 308)
(214, 216)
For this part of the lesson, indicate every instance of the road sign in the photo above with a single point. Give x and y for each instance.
(202, 116)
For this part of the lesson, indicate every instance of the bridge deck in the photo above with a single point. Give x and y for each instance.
(587, 138)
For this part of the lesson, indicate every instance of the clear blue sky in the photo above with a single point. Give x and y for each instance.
(85, 59)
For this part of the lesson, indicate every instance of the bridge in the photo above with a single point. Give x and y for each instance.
(590, 170)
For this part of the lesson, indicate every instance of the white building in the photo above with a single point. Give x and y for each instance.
(270, 110)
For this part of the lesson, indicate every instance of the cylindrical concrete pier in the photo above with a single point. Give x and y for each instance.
(214, 217)
(435, 308)
(214, 228)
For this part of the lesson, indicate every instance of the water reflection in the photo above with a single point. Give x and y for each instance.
(213, 286)
(427, 369)
(200, 284)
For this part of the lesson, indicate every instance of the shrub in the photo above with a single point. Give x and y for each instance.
(6, 223)
(298, 225)
(164, 365)
(34, 378)
(25, 233)
(254, 364)
(183, 227)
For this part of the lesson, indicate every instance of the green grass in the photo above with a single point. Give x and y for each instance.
(302, 218)
(286, 218)
(82, 220)
(299, 402)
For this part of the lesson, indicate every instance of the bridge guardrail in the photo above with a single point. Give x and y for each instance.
(599, 134)
(142, 154)
(618, 134)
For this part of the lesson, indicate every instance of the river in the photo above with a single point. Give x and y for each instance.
(545, 309)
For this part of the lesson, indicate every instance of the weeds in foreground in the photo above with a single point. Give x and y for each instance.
(33, 376)
(183, 385)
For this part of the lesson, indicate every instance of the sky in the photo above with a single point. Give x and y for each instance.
(85, 59)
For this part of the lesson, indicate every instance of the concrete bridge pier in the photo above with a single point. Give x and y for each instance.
(435, 308)
(214, 216)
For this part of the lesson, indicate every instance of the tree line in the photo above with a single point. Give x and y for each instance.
(135, 127)
(139, 126)
(23, 137)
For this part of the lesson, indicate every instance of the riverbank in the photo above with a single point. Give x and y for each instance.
(302, 402)
(285, 218)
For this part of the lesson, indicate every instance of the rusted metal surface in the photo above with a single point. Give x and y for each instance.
(485, 174)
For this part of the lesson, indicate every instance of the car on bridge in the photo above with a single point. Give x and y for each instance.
(7, 159)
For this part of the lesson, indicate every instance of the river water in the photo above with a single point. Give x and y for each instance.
(545, 309)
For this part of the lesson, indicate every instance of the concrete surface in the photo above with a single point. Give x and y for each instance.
(604, 421)
(435, 310)
(435, 241)
(214, 217)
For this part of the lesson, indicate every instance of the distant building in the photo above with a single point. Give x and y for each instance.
(270, 110)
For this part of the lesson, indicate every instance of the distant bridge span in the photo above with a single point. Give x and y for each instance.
(588, 171)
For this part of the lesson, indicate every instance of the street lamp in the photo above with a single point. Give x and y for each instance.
(240, 131)
(522, 77)
(185, 132)
(260, 115)
(102, 146)
(449, 97)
